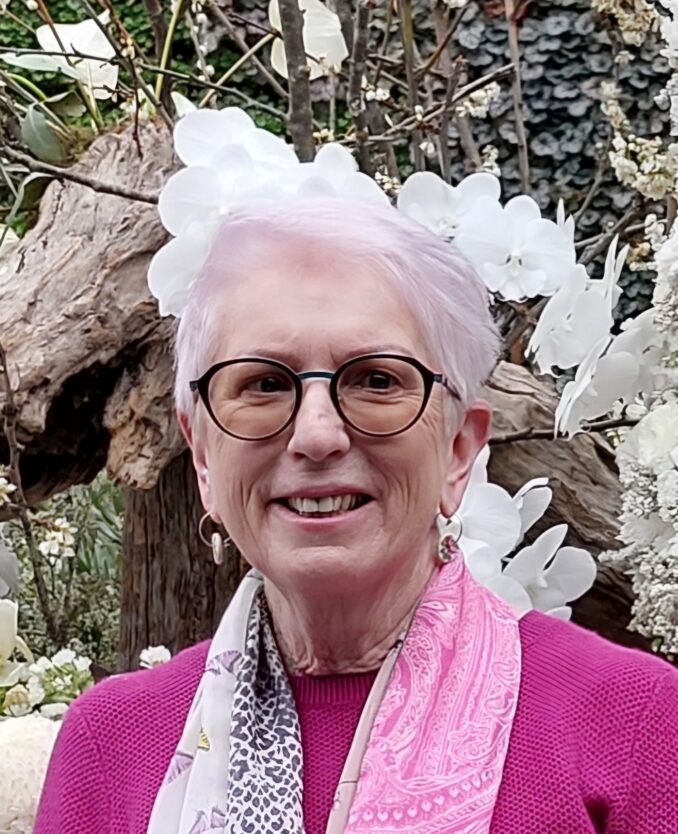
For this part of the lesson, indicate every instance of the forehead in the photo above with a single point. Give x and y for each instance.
(309, 312)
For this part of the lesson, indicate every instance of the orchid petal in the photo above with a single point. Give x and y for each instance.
(478, 185)
(199, 135)
(192, 194)
(531, 501)
(572, 572)
(482, 562)
(527, 564)
(562, 612)
(8, 628)
(510, 591)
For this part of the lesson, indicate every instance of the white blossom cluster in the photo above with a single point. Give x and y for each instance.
(635, 18)
(488, 160)
(477, 103)
(58, 541)
(642, 164)
(48, 685)
(648, 455)
(6, 487)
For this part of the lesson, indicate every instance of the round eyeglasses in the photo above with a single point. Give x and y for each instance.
(380, 394)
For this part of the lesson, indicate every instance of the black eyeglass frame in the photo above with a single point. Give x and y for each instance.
(429, 377)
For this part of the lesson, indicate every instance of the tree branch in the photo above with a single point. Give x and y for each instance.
(81, 179)
(354, 98)
(547, 434)
(300, 113)
(518, 106)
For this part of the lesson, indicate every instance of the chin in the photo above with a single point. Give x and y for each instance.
(324, 570)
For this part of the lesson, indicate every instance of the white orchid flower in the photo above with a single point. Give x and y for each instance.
(615, 370)
(524, 256)
(552, 575)
(324, 42)
(578, 316)
(490, 522)
(429, 200)
(10, 671)
(72, 40)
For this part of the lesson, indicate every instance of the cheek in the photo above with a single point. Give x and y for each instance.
(413, 466)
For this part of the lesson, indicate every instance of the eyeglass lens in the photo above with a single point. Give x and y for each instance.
(377, 396)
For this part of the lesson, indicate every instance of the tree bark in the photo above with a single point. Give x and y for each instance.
(172, 592)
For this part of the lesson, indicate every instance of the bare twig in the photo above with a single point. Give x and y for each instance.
(235, 66)
(300, 114)
(384, 46)
(354, 97)
(125, 60)
(344, 11)
(242, 45)
(412, 123)
(10, 413)
(443, 37)
(601, 168)
(156, 16)
(407, 34)
(81, 179)
(547, 434)
(604, 241)
(518, 109)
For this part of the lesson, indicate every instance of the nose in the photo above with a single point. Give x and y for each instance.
(318, 431)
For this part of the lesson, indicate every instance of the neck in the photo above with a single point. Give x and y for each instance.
(334, 633)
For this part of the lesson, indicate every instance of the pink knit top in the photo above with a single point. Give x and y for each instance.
(594, 746)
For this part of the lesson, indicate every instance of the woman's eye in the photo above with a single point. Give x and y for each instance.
(268, 385)
(378, 380)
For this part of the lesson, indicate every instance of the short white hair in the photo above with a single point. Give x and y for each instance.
(444, 293)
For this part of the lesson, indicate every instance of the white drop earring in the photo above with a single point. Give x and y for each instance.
(217, 544)
(450, 529)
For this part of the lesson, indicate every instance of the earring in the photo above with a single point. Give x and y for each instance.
(450, 533)
(217, 544)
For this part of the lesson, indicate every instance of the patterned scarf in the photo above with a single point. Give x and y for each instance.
(429, 751)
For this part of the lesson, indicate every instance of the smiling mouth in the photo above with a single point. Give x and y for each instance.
(324, 507)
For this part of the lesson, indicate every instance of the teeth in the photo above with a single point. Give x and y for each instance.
(327, 505)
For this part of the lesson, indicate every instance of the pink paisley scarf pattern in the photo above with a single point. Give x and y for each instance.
(436, 751)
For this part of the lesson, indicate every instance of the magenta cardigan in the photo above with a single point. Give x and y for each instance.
(594, 746)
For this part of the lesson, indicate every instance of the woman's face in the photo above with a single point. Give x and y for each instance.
(316, 319)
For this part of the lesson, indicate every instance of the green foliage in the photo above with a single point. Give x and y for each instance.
(92, 574)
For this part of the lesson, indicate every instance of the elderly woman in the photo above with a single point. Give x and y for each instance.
(328, 364)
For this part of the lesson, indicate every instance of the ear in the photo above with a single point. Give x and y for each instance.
(198, 453)
(471, 436)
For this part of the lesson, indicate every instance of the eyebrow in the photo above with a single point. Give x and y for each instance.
(288, 358)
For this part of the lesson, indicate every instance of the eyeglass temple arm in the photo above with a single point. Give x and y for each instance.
(447, 384)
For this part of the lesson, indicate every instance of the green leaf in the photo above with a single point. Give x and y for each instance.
(32, 188)
(41, 137)
(67, 105)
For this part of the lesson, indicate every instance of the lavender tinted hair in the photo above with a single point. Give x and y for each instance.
(440, 288)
